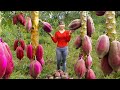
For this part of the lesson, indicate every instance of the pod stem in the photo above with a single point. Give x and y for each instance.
(34, 30)
(111, 25)
(41, 21)
(83, 30)
(83, 18)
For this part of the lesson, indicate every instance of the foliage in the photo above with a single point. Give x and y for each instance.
(21, 71)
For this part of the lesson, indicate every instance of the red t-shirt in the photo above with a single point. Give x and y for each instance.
(61, 39)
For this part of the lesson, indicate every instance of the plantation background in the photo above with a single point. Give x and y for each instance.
(8, 32)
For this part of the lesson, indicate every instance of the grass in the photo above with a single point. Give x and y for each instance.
(21, 71)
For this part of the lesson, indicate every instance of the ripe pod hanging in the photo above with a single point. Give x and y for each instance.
(16, 44)
(29, 51)
(86, 45)
(39, 52)
(90, 26)
(80, 68)
(19, 52)
(90, 74)
(114, 55)
(28, 24)
(88, 62)
(10, 64)
(102, 46)
(3, 61)
(105, 67)
(75, 24)
(47, 27)
(35, 69)
(100, 13)
(78, 42)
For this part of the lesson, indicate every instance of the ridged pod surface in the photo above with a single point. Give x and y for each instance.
(90, 74)
(88, 62)
(42, 62)
(47, 27)
(22, 44)
(35, 69)
(28, 24)
(29, 51)
(90, 26)
(39, 52)
(21, 19)
(78, 42)
(19, 52)
(75, 24)
(102, 46)
(3, 61)
(15, 21)
(10, 63)
(114, 55)
(80, 68)
(105, 67)
(86, 45)
(16, 44)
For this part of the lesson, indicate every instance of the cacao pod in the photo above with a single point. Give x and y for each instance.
(35, 69)
(16, 44)
(47, 27)
(102, 46)
(105, 67)
(100, 13)
(3, 61)
(78, 42)
(90, 26)
(88, 62)
(114, 55)
(80, 68)
(86, 45)
(39, 52)
(10, 64)
(29, 51)
(19, 52)
(28, 24)
(75, 24)
(90, 74)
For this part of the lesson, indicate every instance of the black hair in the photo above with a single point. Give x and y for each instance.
(61, 23)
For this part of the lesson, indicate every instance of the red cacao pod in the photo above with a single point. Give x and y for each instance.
(19, 52)
(47, 27)
(105, 67)
(90, 74)
(22, 44)
(88, 62)
(3, 61)
(28, 24)
(100, 13)
(10, 63)
(29, 51)
(75, 24)
(78, 42)
(35, 69)
(15, 21)
(102, 46)
(80, 68)
(39, 52)
(16, 44)
(86, 44)
(90, 26)
(114, 55)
